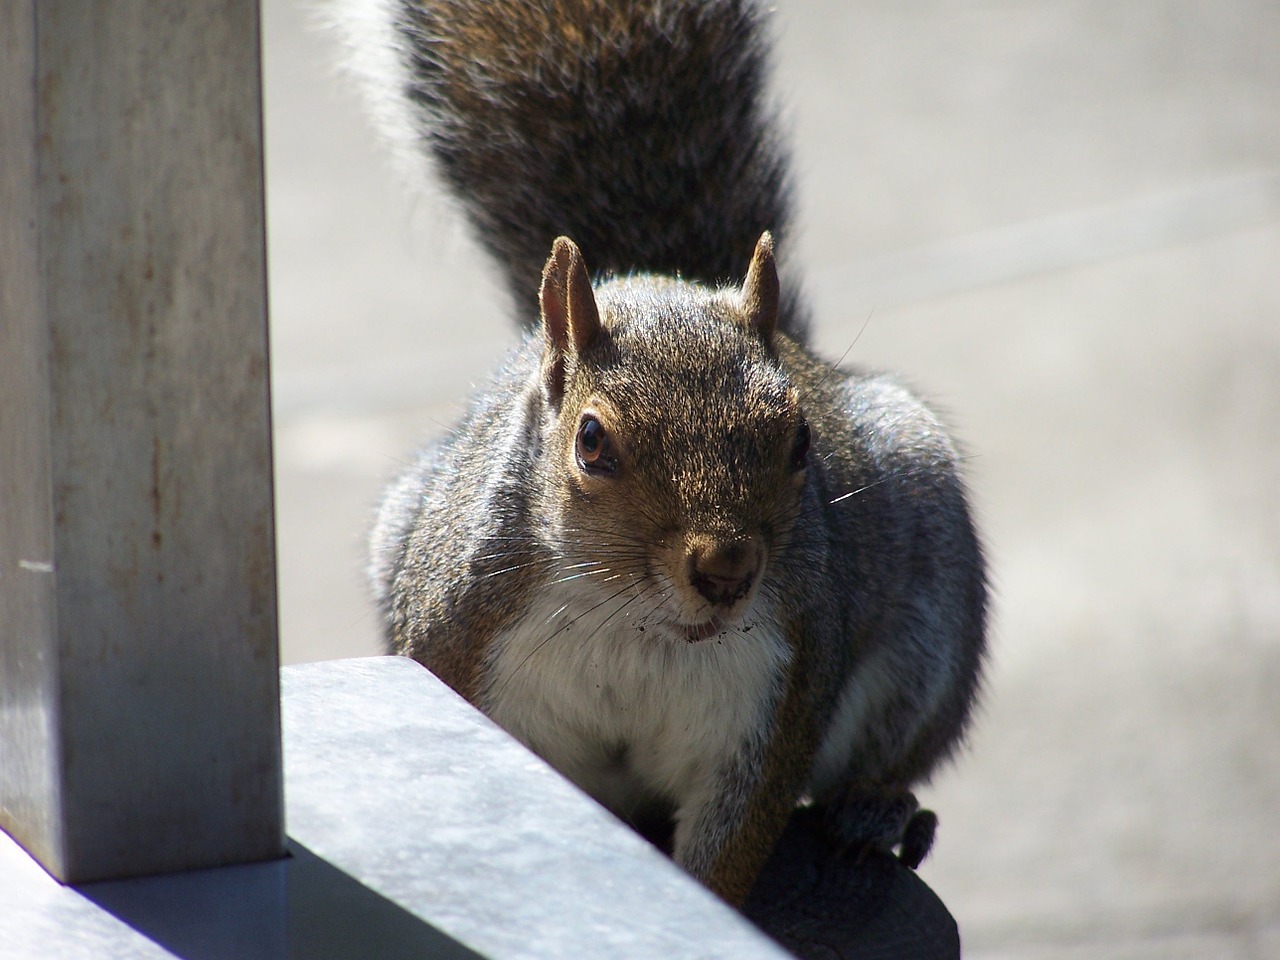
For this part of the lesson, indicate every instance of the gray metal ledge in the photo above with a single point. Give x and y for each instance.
(395, 779)
(417, 829)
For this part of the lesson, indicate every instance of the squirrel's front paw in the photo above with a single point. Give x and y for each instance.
(862, 820)
(917, 838)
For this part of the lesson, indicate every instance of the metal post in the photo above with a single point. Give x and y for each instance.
(139, 688)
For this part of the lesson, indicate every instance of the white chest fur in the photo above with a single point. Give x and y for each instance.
(629, 713)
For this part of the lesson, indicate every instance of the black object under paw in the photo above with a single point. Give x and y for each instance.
(862, 820)
(823, 906)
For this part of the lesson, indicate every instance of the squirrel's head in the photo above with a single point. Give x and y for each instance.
(677, 450)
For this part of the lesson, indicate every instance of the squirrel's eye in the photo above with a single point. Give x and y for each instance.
(800, 449)
(593, 447)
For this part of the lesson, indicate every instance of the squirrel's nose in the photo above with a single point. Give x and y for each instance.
(723, 572)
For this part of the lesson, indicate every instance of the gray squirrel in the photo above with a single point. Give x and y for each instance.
(704, 574)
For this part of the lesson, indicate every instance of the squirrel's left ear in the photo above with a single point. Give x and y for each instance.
(760, 290)
(570, 317)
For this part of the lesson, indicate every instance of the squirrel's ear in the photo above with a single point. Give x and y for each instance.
(760, 290)
(570, 318)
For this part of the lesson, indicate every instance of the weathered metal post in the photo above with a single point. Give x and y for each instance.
(139, 706)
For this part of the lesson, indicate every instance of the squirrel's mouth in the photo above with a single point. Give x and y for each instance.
(705, 631)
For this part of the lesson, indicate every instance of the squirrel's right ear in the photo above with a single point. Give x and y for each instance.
(760, 291)
(570, 318)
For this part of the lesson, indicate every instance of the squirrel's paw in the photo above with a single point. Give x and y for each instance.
(862, 820)
(917, 838)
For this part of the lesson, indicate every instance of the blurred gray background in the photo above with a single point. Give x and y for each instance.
(1062, 221)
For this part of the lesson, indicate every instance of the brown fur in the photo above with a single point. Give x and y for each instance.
(785, 770)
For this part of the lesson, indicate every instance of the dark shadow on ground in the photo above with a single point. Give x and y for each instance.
(301, 906)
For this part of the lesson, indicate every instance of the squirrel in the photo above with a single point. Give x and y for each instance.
(704, 574)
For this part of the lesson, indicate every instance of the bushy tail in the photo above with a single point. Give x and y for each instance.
(637, 127)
